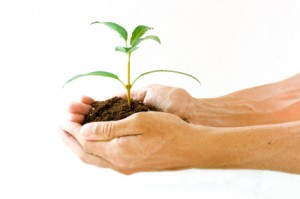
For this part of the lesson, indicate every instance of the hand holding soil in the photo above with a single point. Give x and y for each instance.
(146, 141)
(253, 138)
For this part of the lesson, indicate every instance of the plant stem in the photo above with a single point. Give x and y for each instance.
(128, 86)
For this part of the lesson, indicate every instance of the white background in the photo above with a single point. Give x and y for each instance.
(227, 44)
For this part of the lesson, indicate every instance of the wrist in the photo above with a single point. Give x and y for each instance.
(267, 104)
(209, 112)
(201, 151)
(271, 147)
(228, 111)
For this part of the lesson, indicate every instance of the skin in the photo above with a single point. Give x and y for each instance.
(273, 103)
(256, 128)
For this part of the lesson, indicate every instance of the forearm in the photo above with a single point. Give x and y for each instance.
(271, 147)
(268, 104)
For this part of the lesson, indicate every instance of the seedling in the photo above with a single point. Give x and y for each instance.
(135, 40)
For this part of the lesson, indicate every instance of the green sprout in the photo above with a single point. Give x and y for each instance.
(135, 40)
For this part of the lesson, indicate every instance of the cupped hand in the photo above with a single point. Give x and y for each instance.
(77, 111)
(147, 141)
(168, 99)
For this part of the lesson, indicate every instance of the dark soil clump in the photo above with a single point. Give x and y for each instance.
(115, 109)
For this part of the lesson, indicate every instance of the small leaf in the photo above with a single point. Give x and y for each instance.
(96, 73)
(170, 71)
(116, 27)
(138, 32)
(126, 50)
(121, 49)
(131, 49)
(152, 37)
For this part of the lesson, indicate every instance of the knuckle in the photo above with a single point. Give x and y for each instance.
(139, 117)
(178, 95)
(139, 120)
(106, 130)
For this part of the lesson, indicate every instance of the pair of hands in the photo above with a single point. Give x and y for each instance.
(145, 141)
(251, 128)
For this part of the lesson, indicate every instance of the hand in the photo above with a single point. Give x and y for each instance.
(142, 142)
(77, 112)
(158, 141)
(168, 99)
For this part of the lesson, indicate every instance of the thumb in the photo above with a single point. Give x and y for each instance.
(105, 131)
(98, 131)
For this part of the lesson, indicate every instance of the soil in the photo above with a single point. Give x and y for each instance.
(115, 109)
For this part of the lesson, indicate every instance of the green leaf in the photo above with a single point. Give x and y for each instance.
(116, 27)
(126, 50)
(138, 32)
(151, 37)
(121, 49)
(170, 71)
(96, 73)
(131, 49)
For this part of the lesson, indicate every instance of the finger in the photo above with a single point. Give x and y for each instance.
(76, 148)
(139, 94)
(87, 158)
(114, 151)
(104, 131)
(73, 129)
(87, 100)
(77, 118)
(80, 108)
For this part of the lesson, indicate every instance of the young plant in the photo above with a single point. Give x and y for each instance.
(135, 40)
